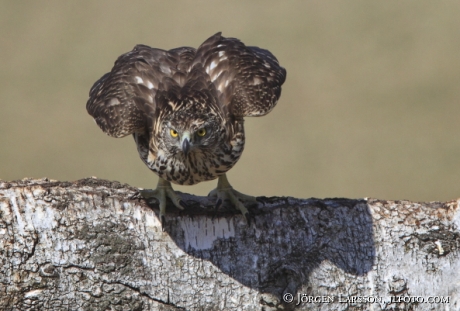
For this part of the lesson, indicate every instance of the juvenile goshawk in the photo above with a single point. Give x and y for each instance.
(185, 109)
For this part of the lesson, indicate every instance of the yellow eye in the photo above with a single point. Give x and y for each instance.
(173, 133)
(201, 132)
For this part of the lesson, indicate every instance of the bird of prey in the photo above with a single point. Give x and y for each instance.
(185, 109)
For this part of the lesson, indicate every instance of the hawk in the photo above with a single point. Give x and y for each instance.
(185, 109)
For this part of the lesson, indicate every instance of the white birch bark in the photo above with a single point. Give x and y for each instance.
(94, 245)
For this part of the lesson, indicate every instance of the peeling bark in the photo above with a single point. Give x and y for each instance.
(94, 245)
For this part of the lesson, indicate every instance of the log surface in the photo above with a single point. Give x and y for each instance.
(95, 245)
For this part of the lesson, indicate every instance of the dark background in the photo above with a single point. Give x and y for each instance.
(370, 107)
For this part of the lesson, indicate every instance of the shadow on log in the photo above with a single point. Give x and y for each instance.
(94, 245)
(287, 239)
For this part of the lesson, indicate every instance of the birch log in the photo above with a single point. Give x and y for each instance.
(95, 245)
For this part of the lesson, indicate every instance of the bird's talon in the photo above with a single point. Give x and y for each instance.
(161, 193)
(183, 204)
(224, 191)
(247, 217)
(135, 195)
(163, 222)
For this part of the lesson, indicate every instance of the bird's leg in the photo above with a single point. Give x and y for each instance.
(225, 191)
(163, 191)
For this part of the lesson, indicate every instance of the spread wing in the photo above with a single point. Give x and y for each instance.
(240, 80)
(124, 101)
(248, 79)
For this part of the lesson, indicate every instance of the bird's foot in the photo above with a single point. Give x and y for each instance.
(164, 190)
(225, 191)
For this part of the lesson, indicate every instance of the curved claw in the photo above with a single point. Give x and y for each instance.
(183, 204)
(163, 222)
(135, 195)
(218, 203)
(260, 200)
(247, 216)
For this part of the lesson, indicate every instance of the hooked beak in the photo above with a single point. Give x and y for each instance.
(185, 143)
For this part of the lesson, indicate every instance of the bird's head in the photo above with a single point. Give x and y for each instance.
(187, 132)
